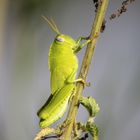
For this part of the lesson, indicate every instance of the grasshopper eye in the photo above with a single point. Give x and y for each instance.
(60, 39)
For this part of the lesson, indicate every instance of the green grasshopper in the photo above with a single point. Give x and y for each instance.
(63, 65)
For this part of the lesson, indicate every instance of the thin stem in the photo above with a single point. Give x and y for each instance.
(85, 66)
(95, 138)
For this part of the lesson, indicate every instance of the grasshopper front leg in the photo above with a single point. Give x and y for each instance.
(79, 45)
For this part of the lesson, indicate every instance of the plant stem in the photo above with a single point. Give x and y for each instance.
(97, 23)
(95, 138)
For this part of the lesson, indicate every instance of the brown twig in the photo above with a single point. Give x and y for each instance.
(85, 66)
(121, 10)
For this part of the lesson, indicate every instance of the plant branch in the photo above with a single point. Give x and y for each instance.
(97, 23)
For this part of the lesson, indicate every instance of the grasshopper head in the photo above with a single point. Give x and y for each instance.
(60, 39)
(65, 40)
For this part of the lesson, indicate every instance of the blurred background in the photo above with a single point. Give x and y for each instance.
(24, 76)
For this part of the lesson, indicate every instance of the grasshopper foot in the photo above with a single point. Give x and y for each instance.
(83, 82)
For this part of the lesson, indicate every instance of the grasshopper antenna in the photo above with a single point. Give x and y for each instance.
(55, 25)
(52, 24)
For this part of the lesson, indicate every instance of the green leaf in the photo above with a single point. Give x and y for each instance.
(90, 104)
(92, 129)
